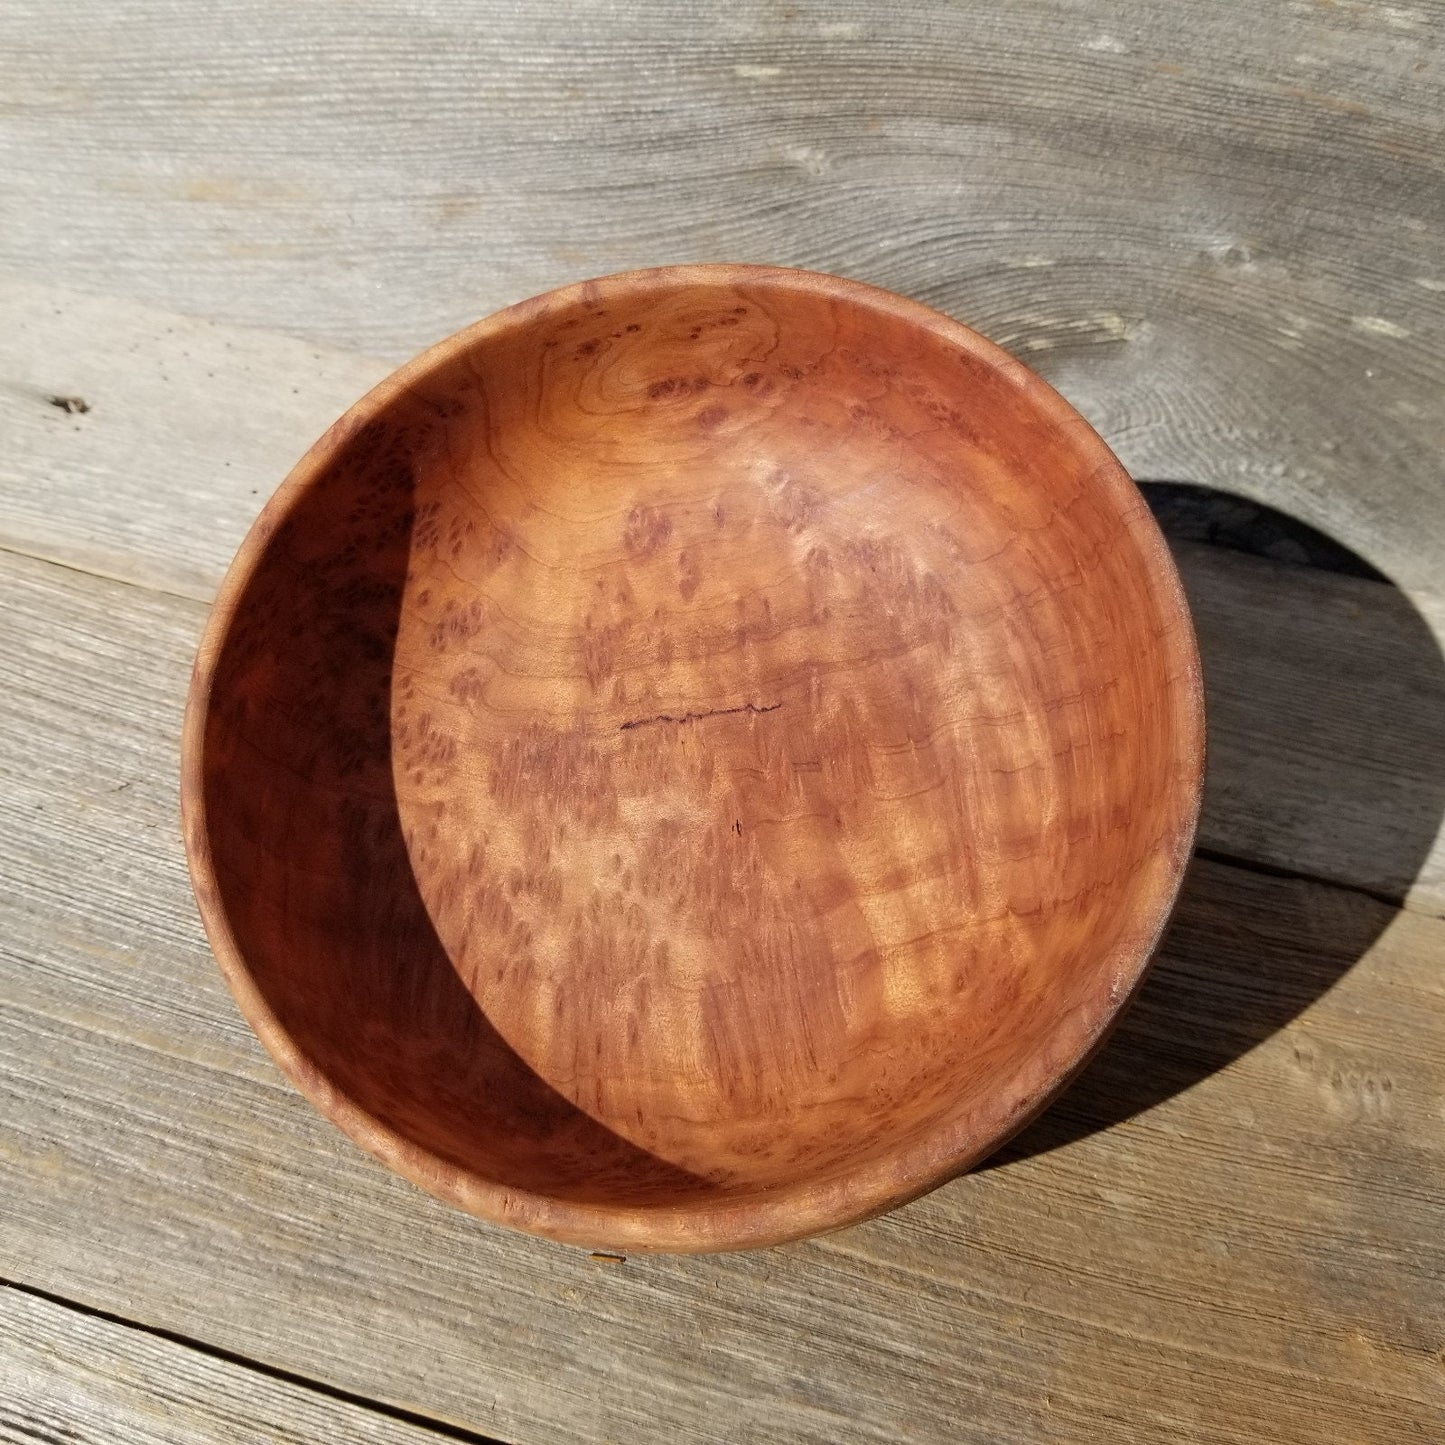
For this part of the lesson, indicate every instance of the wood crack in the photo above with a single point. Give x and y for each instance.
(691, 717)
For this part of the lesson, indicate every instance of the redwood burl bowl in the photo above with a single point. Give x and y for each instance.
(697, 759)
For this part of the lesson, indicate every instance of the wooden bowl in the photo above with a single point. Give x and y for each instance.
(694, 760)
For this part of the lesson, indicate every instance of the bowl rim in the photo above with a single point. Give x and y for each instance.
(778, 1215)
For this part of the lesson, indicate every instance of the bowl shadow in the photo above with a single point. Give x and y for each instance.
(1326, 767)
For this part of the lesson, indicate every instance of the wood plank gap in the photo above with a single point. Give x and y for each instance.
(10, 549)
(442, 1429)
(1273, 870)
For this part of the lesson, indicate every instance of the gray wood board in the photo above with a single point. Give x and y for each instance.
(67, 1378)
(1217, 229)
(188, 428)
(1218, 233)
(1229, 1230)
(1326, 695)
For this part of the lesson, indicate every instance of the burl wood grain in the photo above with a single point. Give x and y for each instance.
(694, 760)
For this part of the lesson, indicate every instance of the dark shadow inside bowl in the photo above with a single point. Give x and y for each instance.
(351, 966)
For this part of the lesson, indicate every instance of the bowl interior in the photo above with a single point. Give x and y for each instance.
(697, 744)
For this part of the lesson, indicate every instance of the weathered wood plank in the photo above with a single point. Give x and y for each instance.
(1234, 269)
(1326, 695)
(69, 1377)
(1235, 272)
(188, 428)
(1253, 1248)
